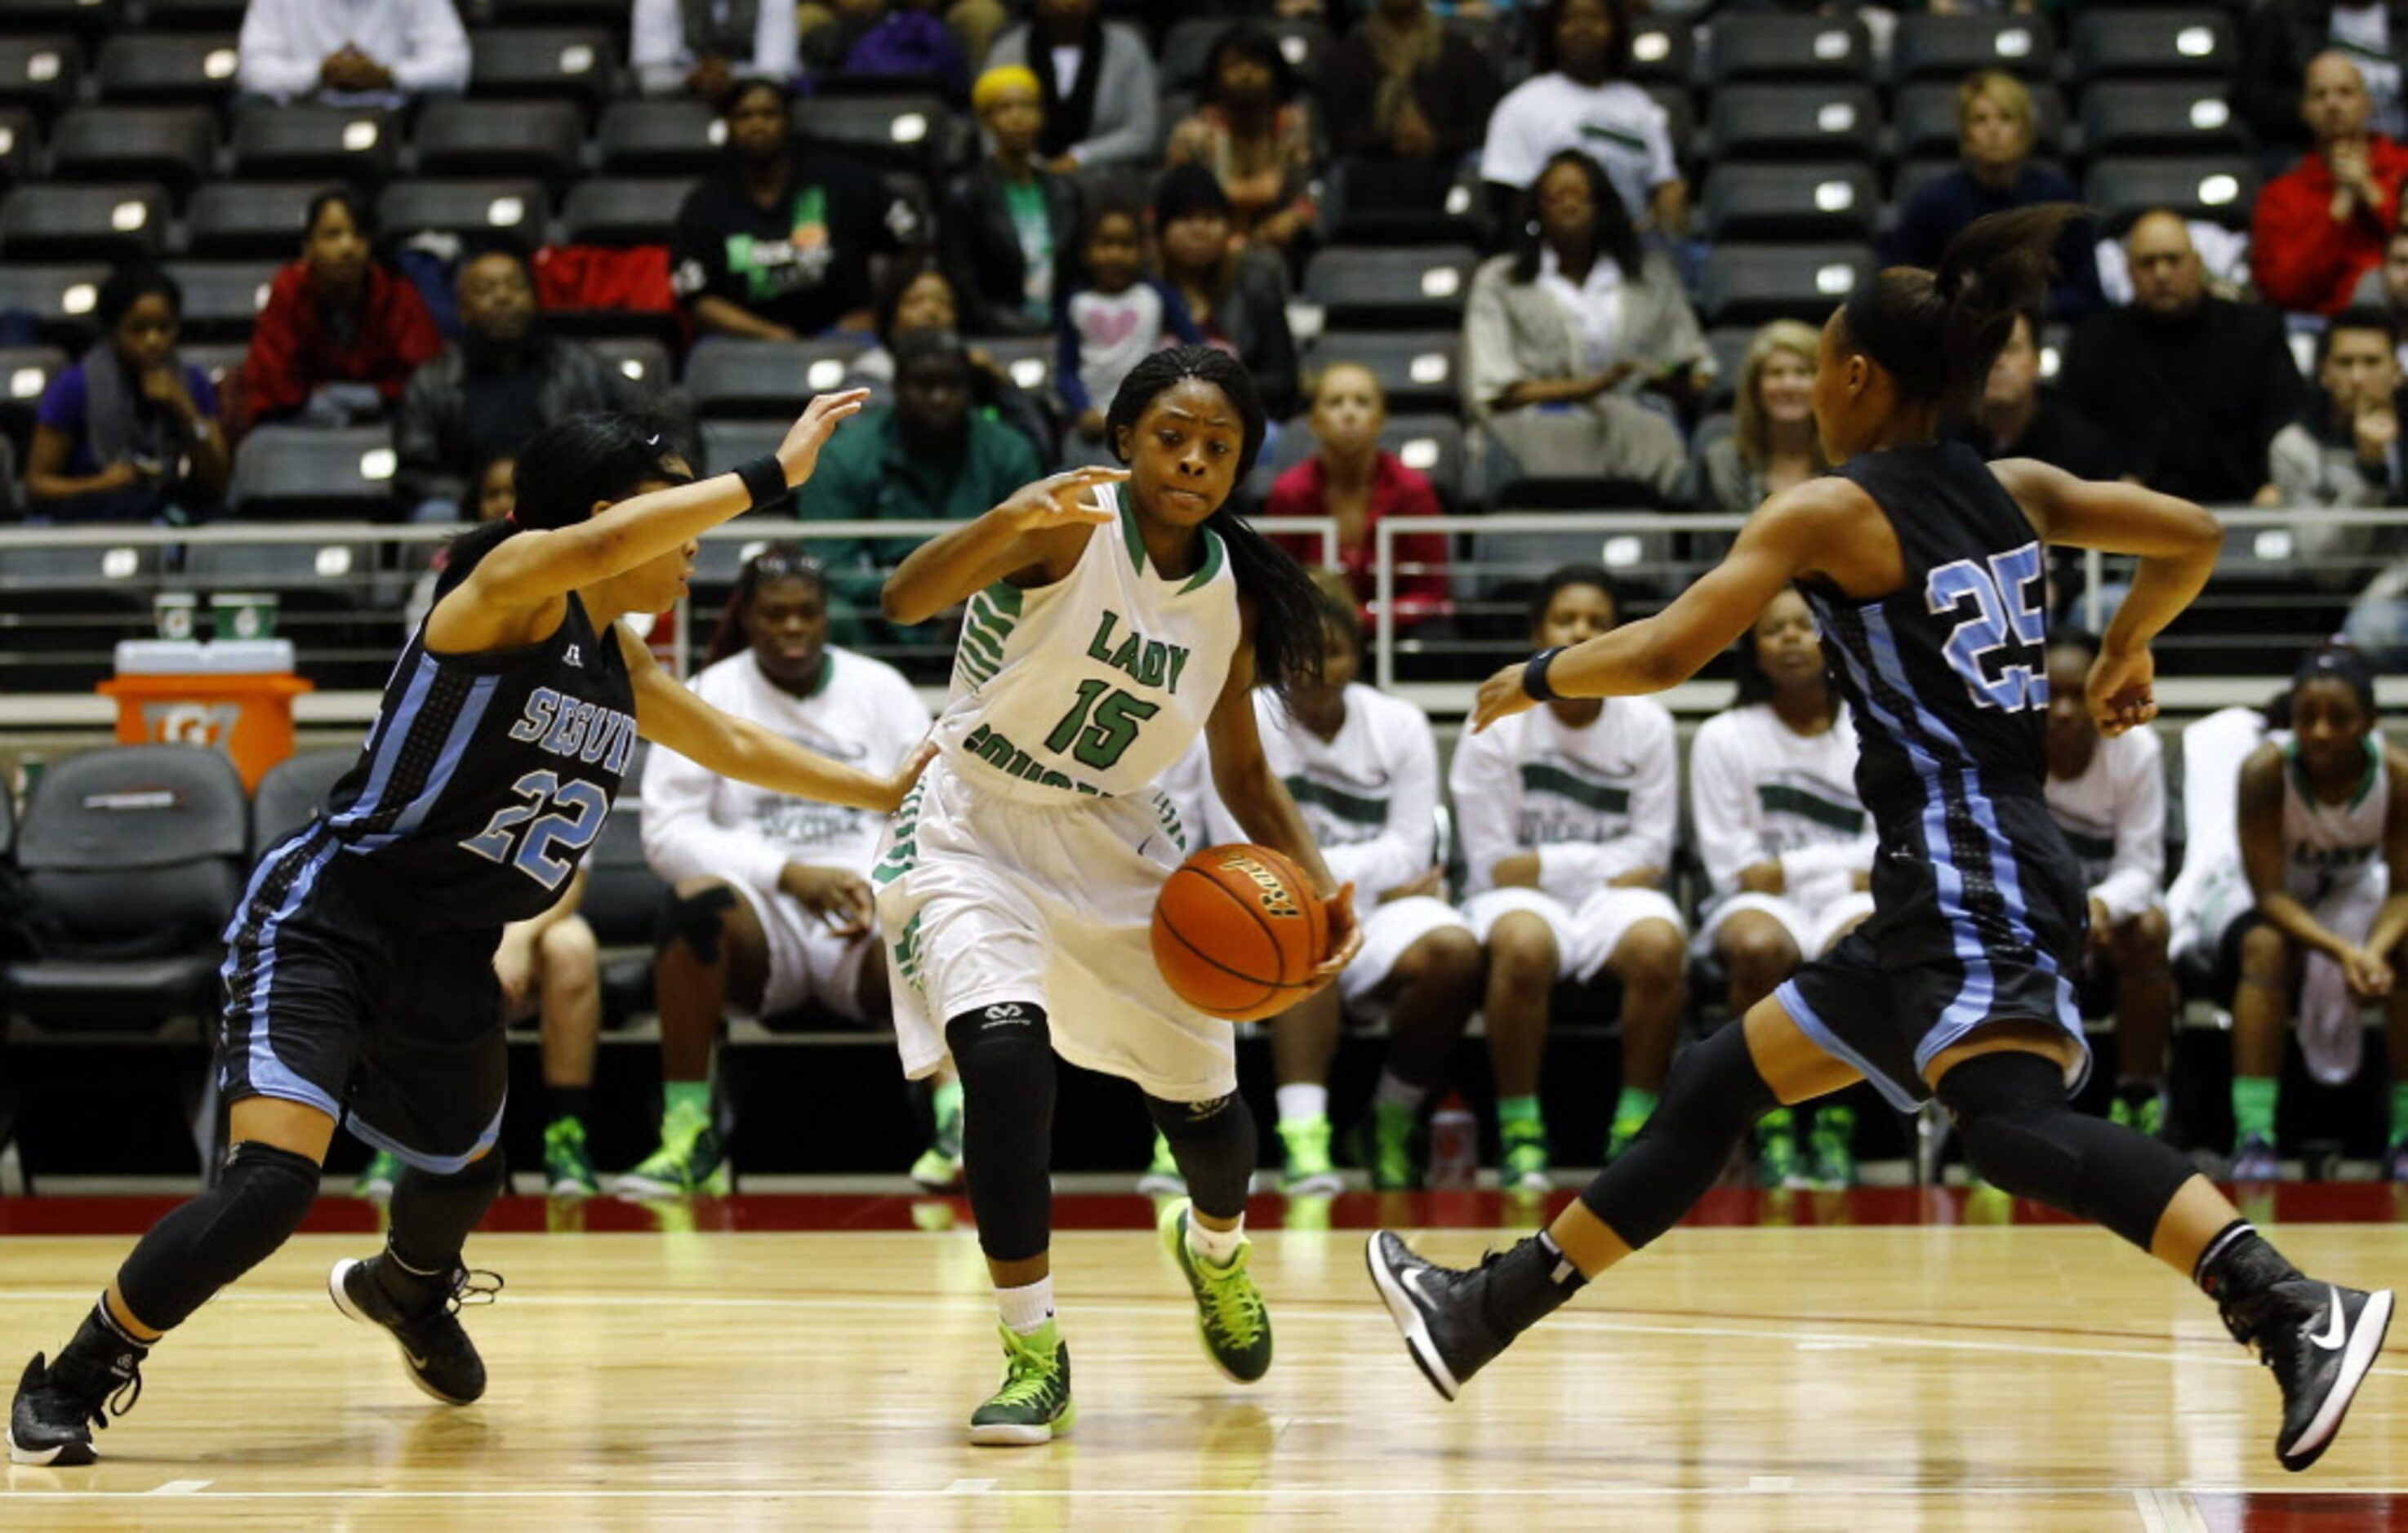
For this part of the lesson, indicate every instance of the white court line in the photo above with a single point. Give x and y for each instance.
(969, 1487)
(2166, 1510)
(1384, 1491)
(179, 1487)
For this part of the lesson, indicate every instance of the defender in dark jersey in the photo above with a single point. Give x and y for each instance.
(1924, 569)
(359, 977)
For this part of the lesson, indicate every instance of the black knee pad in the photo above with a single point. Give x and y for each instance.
(258, 1202)
(694, 920)
(1213, 1142)
(1712, 1098)
(2021, 1133)
(1005, 1054)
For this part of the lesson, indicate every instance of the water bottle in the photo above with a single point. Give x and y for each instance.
(1454, 1144)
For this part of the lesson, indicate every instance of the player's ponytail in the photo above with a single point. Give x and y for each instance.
(1287, 607)
(1936, 333)
(562, 471)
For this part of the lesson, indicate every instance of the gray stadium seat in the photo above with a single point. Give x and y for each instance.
(175, 145)
(309, 473)
(1189, 43)
(624, 210)
(1417, 369)
(538, 138)
(87, 17)
(1662, 51)
(323, 589)
(2169, 117)
(60, 297)
(292, 793)
(250, 218)
(1823, 201)
(578, 61)
(1949, 47)
(1416, 285)
(622, 905)
(217, 360)
(139, 852)
(761, 379)
(25, 371)
(1762, 45)
(728, 443)
(1923, 120)
(20, 146)
(2177, 41)
(1028, 359)
(644, 363)
(913, 131)
(2219, 188)
(1730, 344)
(357, 144)
(41, 73)
(512, 206)
(84, 223)
(1751, 283)
(222, 299)
(659, 138)
(1793, 121)
(167, 67)
(1400, 202)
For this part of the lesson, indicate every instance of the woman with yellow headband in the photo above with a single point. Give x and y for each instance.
(1009, 233)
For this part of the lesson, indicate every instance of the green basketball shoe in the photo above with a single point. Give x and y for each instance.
(1834, 1137)
(688, 1162)
(1309, 1172)
(377, 1176)
(567, 1169)
(1229, 1312)
(1777, 1161)
(1034, 1406)
(1383, 1142)
(1523, 1165)
(1162, 1178)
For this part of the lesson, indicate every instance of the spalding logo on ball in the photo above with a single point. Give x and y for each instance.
(1237, 932)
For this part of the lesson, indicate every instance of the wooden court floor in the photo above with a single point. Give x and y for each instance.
(1858, 1377)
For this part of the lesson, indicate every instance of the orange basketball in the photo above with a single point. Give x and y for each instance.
(1237, 931)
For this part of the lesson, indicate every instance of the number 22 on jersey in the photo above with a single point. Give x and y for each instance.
(1997, 604)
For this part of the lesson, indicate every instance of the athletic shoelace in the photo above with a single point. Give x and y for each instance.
(1236, 1313)
(472, 1286)
(1028, 1374)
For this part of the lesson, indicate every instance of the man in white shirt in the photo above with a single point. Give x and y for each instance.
(1578, 100)
(702, 47)
(352, 49)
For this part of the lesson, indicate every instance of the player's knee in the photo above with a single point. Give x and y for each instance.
(1448, 959)
(2265, 956)
(570, 949)
(1759, 950)
(1006, 1048)
(1652, 956)
(1522, 946)
(695, 912)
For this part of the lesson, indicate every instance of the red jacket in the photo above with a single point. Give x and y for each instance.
(1395, 491)
(2303, 259)
(291, 350)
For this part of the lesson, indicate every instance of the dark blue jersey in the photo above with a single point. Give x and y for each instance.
(485, 777)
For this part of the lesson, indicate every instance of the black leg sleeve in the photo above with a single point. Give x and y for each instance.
(1712, 1097)
(1005, 1054)
(1214, 1145)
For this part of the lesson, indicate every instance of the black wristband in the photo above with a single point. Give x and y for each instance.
(1534, 674)
(765, 479)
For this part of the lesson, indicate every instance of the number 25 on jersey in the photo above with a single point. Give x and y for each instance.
(1997, 606)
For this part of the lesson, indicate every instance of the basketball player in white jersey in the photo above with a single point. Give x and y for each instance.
(1566, 818)
(2108, 795)
(2316, 904)
(1111, 615)
(1788, 846)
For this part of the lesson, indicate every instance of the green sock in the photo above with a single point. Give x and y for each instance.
(948, 1098)
(692, 1096)
(1634, 1106)
(2399, 1111)
(1517, 1110)
(2253, 1107)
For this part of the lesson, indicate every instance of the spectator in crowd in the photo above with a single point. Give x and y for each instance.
(352, 50)
(130, 432)
(2109, 798)
(1109, 325)
(2386, 287)
(1995, 134)
(776, 245)
(2194, 386)
(1401, 87)
(1009, 230)
(1562, 335)
(1236, 296)
(2322, 226)
(927, 456)
(699, 48)
(1353, 479)
(341, 331)
(1787, 846)
(2344, 451)
(503, 382)
(1578, 100)
(1096, 80)
(772, 893)
(1772, 444)
(2278, 37)
(918, 296)
(2016, 418)
(496, 495)
(871, 39)
(1254, 131)
(972, 22)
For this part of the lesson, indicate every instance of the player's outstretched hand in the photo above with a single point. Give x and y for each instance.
(1063, 499)
(800, 454)
(1345, 936)
(1501, 697)
(2122, 691)
(900, 783)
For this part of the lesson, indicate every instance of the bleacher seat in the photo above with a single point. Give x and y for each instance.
(1730, 344)
(250, 218)
(167, 67)
(622, 904)
(1923, 120)
(578, 61)
(314, 474)
(175, 145)
(538, 138)
(2116, 42)
(25, 372)
(60, 297)
(1663, 52)
(84, 223)
(41, 73)
(218, 360)
(194, 15)
(1399, 202)
(916, 131)
(357, 144)
(591, 13)
(1949, 47)
(20, 146)
(1303, 43)
(659, 138)
(728, 443)
(505, 205)
(1793, 121)
(1751, 283)
(1769, 46)
(2221, 188)
(1423, 285)
(293, 791)
(222, 299)
(1028, 359)
(645, 364)
(1417, 369)
(762, 379)
(624, 210)
(138, 852)
(1826, 201)
(2170, 117)
(86, 18)
(322, 590)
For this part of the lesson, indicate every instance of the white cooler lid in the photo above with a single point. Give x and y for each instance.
(204, 657)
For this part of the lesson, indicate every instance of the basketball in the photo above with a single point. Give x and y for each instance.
(1237, 931)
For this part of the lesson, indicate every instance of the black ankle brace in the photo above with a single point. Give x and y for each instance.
(1528, 1283)
(2239, 1266)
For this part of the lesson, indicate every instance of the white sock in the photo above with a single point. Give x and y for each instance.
(1027, 1308)
(1398, 1091)
(1217, 1246)
(1298, 1103)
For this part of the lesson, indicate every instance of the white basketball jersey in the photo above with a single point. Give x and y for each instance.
(1759, 790)
(1097, 683)
(2325, 846)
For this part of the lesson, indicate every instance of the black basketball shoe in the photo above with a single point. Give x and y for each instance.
(1440, 1311)
(2319, 1339)
(441, 1359)
(58, 1405)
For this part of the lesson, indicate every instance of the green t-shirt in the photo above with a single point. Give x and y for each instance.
(1030, 221)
